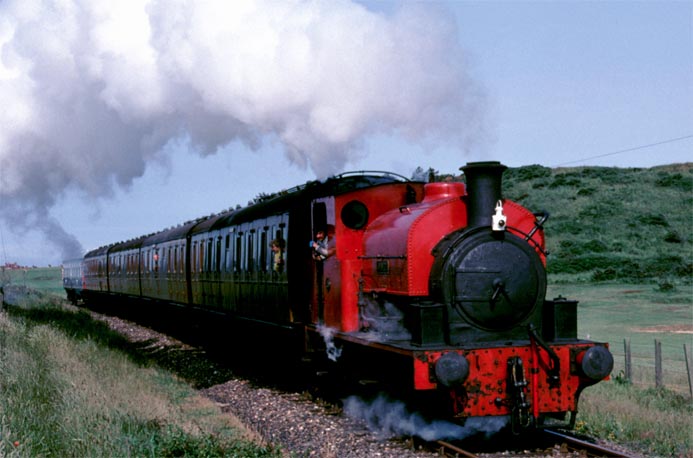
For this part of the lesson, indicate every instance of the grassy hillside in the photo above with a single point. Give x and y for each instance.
(612, 223)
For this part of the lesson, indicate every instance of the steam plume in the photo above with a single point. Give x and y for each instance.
(327, 333)
(93, 90)
(390, 418)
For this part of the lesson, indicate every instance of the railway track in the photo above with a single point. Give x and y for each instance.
(567, 444)
(448, 449)
(590, 449)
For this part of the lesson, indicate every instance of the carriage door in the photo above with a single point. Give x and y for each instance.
(326, 273)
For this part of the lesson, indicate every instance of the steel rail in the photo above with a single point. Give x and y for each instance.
(457, 450)
(590, 448)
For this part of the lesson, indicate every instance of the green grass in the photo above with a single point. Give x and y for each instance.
(658, 422)
(71, 387)
(639, 313)
(45, 279)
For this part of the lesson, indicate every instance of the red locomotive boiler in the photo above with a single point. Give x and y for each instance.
(437, 289)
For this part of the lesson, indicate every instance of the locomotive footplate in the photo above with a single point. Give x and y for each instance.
(510, 378)
(519, 379)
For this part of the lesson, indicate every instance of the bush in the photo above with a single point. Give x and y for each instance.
(565, 179)
(677, 180)
(527, 172)
(666, 265)
(586, 191)
(583, 263)
(595, 246)
(672, 237)
(653, 220)
(610, 175)
(666, 286)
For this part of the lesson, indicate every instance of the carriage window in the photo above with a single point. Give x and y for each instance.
(263, 251)
(227, 261)
(218, 255)
(250, 253)
(201, 256)
(239, 246)
(281, 234)
(209, 255)
(193, 258)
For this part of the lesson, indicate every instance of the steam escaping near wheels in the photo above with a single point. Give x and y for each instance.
(389, 418)
(327, 333)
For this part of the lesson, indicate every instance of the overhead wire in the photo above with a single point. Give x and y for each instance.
(649, 145)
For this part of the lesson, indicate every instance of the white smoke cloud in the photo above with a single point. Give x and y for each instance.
(390, 418)
(93, 90)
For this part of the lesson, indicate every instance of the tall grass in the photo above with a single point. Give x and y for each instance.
(658, 422)
(66, 392)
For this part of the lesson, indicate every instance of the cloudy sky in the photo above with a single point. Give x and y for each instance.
(123, 118)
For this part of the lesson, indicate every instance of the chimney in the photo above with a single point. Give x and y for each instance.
(484, 181)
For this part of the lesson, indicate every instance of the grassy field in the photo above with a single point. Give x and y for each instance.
(45, 279)
(658, 422)
(73, 388)
(639, 313)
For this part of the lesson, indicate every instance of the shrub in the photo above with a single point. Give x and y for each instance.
(604, 274)
(565, 179)
(653, 220)
(528, 172)
(540, 184)
(611, 175)
(595, 246)
(666, 286)
(677, 180)
(666, 264)
(584, 263)
(672, 237)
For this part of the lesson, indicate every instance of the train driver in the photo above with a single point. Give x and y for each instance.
(320, 246)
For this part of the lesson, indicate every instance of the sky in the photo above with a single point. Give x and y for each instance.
(123, 118)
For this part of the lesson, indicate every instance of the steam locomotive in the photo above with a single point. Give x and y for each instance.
(436, 288)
